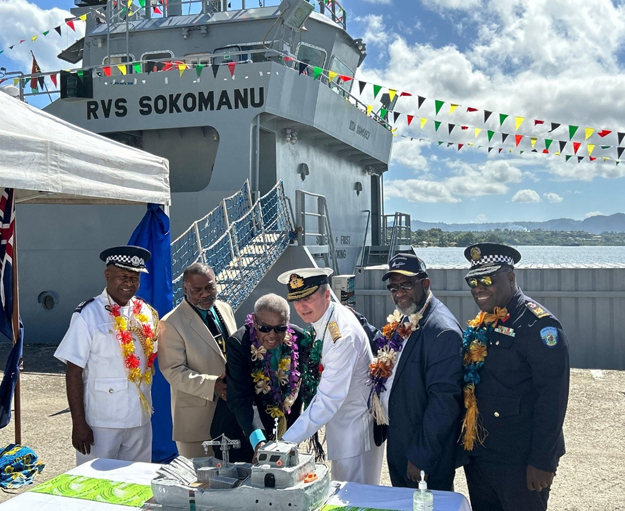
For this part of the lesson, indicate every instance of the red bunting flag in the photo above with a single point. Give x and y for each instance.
(604, 133)
(576, 146)
(346, 78)
(460, 146)
(70, 24)
(538, 121)
(22, 41)
(471, 109)
(464, 127)
(592, 158)
(517, 139)
(410, 118)
(157, 10)
(107, 70)
(167, 66)
(53, 78)
(402, 94)
(500, 149)
(288, 59)
(545, 151)
(231, 66)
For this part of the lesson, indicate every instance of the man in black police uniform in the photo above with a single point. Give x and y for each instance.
(522, 390)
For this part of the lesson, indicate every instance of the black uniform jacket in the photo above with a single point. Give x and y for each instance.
(243, 401)
(524, 388)
(425, 402)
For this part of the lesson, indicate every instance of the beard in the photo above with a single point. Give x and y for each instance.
(411, 309)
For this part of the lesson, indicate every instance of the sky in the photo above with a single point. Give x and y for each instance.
(559, 61)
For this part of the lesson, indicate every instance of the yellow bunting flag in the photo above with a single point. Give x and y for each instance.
(129, 3)
(391, 94)
(452, 107)
(332, 75)
(591, 148)
(122, 68)
(589, 132)
(517, 122)
(533, 141)
(606, 158)
(423, 121)
(477, 131)
(181, 68)
(369, 109)
(83, 17)
(34, 38)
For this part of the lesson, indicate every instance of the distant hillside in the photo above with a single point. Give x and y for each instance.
(594, 224)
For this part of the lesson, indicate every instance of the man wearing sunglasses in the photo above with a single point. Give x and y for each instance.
(512, 431)
(265, 362)
(192, 357)
(340, 396)
(422, 396)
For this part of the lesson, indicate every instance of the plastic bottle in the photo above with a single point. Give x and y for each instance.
(423, 499)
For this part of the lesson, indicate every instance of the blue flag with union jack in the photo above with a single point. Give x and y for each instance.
(7, 236)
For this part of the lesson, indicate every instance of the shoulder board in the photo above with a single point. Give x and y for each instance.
(333, 328)
(537, 310)
(81, 306)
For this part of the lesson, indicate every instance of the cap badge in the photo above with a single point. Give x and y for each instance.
(136, 261)
(476, 254)
(296, 282)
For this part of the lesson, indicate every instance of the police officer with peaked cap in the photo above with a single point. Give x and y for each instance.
(513, 444)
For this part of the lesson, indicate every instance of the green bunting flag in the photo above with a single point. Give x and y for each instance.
(572, 130)
(317, 72)
(437, 124)
(547, 143)
(137, 67)
(46, 32)
(80, 74)
(439, 104)
(567, 157)
(198, 69)
(383, 112)
(490, 135)
(502, 117)
(440, 143)
(376, 89)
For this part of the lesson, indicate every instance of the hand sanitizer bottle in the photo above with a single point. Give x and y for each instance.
(423, 499)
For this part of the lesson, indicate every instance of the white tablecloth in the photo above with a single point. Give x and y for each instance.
(350, 494)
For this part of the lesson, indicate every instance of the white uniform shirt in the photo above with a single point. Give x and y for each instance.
(341, 400)
(111, 400)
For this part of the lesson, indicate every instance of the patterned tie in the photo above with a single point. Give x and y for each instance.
(213, 326)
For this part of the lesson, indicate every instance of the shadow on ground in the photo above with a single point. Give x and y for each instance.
(37, 358)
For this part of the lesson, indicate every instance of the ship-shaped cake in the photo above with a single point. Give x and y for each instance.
(283, 479)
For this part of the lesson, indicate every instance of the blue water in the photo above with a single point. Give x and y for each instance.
(435, 256)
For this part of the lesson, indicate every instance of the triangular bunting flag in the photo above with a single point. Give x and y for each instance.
(361, 85)
(437, 124)
(554, 126)
(83, 17)
(502, 118)
(53, 78)
(440, 143)
(58, 29)
(548, 143)
(592, 158)
(591, 148)
(605, 158)
(580, 159)
(464, 127)
(517, 122)
(391, 94)
(520, 152)
(606, 146)
(167, 66)
(157, 10)
(487, 114)
(477, 131)
(576, 146)
(215, 68)
(538, 121)
(122, 68)
(490, 149)
(369, 109)
(449, 144)
(589, 132)
(70, 24)
(517, 140)
(420, 99)
(46, 32)
(376, 89)
(383, 112)
(567, 157)
(405, 94)
(332, 75)
(572, 130)
(490, 134)
(423, 121)
(533, 141)
(395, 116)
(471, 109)
(503, 137)
(603, 133)
(181, 68)
(562, 144)
(410, 118)
(460, 146)
(619, 151)
(231, 66)
(452, 108)
(500, 149)
(346, 78)
(438, 105)
(198, 69)
(137, 67)
(317, 72)
(620, 137)
(545, 151)
(107, 70)
(451, 127)
(34, 38)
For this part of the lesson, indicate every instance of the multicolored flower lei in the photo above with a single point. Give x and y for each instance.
(311, 372)
(278, 386)
(474, 347)
(139, 324)
(394, 333)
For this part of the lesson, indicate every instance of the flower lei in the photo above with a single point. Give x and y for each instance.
(389, 345)
(144, 332)
(278, 388)
(311, 372)
(474, 347)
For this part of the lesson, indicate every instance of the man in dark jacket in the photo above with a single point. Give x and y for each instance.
(265, 358)
(517, 375)
(422, 395)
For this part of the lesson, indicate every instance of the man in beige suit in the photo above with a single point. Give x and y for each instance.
(192, 359)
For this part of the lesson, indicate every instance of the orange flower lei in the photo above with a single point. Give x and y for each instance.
(144, 332)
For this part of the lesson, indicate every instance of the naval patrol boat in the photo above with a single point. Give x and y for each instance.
(272, 157)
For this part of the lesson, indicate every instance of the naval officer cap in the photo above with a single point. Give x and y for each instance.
(303, 282)
(405, 264)
(489, 258)
(127, 257)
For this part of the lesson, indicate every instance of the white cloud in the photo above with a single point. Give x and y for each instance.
(375, 33)
(552, 197)
(481, 218)
(593, 213)
(526, 196)
(452, 4)
(418, 190)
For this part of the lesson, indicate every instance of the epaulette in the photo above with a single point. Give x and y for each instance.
(537, 310)
(81, 306)
(333, 328)
(153, 311)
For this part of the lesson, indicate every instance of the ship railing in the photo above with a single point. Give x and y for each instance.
(241, 241)
(247, 56)
(314, 222)
(398, 234)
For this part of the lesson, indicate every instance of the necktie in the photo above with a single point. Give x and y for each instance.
(212, 325)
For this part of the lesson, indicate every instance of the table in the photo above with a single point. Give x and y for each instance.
(349, 494)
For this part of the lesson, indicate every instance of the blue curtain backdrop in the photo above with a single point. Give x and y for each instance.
(153, 233)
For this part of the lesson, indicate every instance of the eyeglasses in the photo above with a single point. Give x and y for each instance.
(406, 286)
(485, 281)
(265, 329)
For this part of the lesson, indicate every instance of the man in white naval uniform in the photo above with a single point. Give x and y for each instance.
(108, 337)
(340, 403)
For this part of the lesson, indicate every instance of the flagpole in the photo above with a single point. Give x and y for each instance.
(16, 333)
(44, 82)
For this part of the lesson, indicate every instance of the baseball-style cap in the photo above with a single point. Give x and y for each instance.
(405, 264)
(488, 258)
(127, 257)
(303, 282)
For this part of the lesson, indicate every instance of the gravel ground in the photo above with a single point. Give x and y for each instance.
(591, 475)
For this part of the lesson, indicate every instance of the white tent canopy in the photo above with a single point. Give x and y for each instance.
(48, 160)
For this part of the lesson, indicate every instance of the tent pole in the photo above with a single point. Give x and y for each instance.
(16, 333)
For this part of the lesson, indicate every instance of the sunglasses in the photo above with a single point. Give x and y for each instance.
(485, 281)
(265, 329)
(406, 286)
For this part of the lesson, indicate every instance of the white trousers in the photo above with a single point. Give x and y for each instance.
(132, 444)
(364, 468)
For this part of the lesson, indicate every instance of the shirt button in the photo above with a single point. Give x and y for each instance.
(497, 343)
(496, 414)
(111, 391)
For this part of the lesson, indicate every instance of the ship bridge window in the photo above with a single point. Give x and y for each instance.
(312, 55)
(115, 60)
(198, 58)
(339, 67)
(155, 60)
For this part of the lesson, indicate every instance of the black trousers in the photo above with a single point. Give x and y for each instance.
(495, 487)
